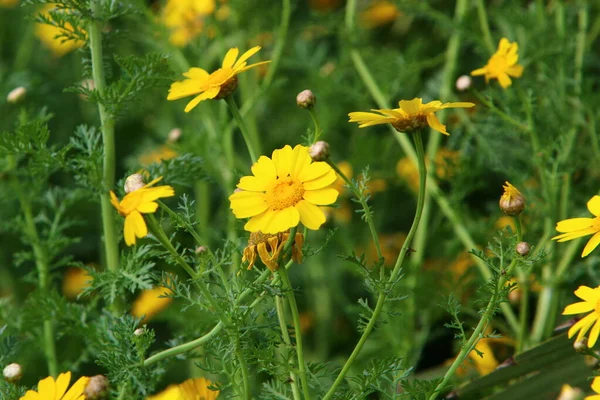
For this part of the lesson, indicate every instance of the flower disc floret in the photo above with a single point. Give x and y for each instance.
(502, 65)
(574, 228)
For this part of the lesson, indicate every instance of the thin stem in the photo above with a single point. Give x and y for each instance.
(580, 47)
(318, 130)
(485, 27)
(286, 339)
(243, 367)
(240, 121)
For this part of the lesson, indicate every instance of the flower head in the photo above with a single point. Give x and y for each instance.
(410, 116)
(75, 281)
(185, 19)
(50, 389)
(591, 302)
(150, 302)
(284, 191)
(512, 201)
(136, 203)
(217, 85)
(268, 247)
(59, 40)
(596, 389)
(192, 389)
(574, 228)
(502, 65)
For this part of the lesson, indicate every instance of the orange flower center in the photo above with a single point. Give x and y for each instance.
(497, 65)
(285, 193)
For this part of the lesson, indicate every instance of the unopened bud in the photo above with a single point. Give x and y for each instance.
(515, 296)
(522, 248)
(16, 95)
(463, 83)
(581, 346)
(512, 201)
(97, 388)
(133, 183)
(201, 249)
(138, 332)
(174, 135)
(319, 151)
(306, 99)
(12, 372)
(591, 361)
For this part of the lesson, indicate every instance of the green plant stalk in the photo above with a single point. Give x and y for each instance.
(243, 366)
(484, 25)
(318, 130)
(286, 339)
(107, 122)
(395, 272)
(243, 128)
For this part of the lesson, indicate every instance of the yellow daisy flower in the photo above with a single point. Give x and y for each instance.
(51, 36)
(192, 389)
(150, 302)
(217, 85)
(591, 302)
(136, 203)
(75, 281)
(411, 115)
(50, 389)
(502, 65)
(577, 227)
(284, 191)
(268, 247)
(185, 19)
(596, 389)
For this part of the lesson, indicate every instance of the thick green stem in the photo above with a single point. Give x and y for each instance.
(279, 305)
(240, 121)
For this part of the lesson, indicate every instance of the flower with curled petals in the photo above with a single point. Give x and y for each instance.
(268, 247)
(285, 190)
(502, 64)
(217, 85)
(591, 302)
(574, 228)
(50, 389)
(410, 116)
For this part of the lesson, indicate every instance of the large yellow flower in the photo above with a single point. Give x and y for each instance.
(53, 37)
(50, 389)
(150, 302)
(502, 65)
(217, 85)
(136, 203)
(411, 115)
(596, 389)
(185, 19)
(591, 302)
(284, 191)
(577, 227)
(192, 389)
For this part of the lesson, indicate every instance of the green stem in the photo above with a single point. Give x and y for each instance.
(318, 130)
(240, 121)
(580, 47)
(286, 339)
(484, 25)
(243, 366)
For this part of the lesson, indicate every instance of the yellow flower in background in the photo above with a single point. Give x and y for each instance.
(268, 247)
(380, 13)
(216, 85)
(577, 227)
(158, 155)
(411, 115)
(172, 392)
(591, 302)
(150, 302)
(192, 389)
(284, 191)
(504, 221)
(445, 164)
(75, 281)
(485, 362)
(502, 65)
(136, 203)
(53, 37)
(596, 389)
(185, 19)
(8, 3)
(50, 389)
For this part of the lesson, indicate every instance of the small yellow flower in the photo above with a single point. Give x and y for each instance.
(158, 155)
(596, 389)
(577, 227)
(53, 36)
(411, 115)
(284, 191)
(136, 203)
(268, 247)
(185, 19)
(502, 65)
(150, 302)
(381, 13)
(50, 389)
(192, 389)
(217, 85)
(75, 281)
(591, 302)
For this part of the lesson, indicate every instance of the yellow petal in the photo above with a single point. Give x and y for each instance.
(185, 88)
(47, 386)
(582, 325)
(147, 208)
(62, 383)
(478, 71)
(593, 336)
(411, 107)
(515, 71)
(594, 205)
(591, 245)
(281, 221)
(114, 200)
(247, 204)
(596, 385)
(196, 74)
(578, 308)
(314, 171)
(246, 68)
(77, 390)
(253, 184)
(31, 395)
(504, 80)
(282, 158)
(152, 194)
(257, 222)
(588, 294)
(458, 104)
(209, 94)
(435, 124)
(137, 223)
(129, 230)
(503, 45)
(300, 160)
(264, 169)
(246, 56)
(321, 182)
(321, 197)
(574, 235)
(230, 57)
(574, 224)
(311, 216)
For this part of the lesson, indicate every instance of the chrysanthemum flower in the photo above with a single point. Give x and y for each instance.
(136, 203)
(284, 191)
(185, 19)
(268, 247)
(591, 302)
(502, 65)
(577, 227)
(596, 389)
(50, 389)
(191, 389)
(53, 37)
(411, 115)
(150, 302)
(217, 85)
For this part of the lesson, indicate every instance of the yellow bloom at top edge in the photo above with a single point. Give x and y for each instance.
(577, 227)
(185, 19)
(190, 389)
(590, 303)
(136, 203)
(285, 190)
(596, 389)
(216, 85)
(410, 116)
(53, 36)
(502, 65)
(50, 389)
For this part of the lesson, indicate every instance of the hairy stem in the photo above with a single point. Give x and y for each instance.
(250, 144)
(279, 305)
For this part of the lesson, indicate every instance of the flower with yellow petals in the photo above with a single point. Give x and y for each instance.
(268, 247)
(75, 281)
(410, 116)
(591, 302)
(150, 302)
(574, 228)
(217, 85)
(380, 13)
(55, 38)
(192, 389)
(596, 389)
(502, 65)
(136, 203)
(50, 389)
(185, 19)
(285, 190)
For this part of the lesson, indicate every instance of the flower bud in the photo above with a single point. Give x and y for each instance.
(138, 332)
(522, 248)
(174, 135)
(12, 372)
(463, 83)
(201, 250)
(570, 393)
(512, 201)
(591, 361)
(16, 95)
(319, 151)
(581, 346)
(306, 99)
(97, 388)
(133, 183)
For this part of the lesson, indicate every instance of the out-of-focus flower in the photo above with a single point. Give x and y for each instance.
(577, 227)
(174, 135)
(50, 389)
(12, 372)
(268, 247)
(390, 244)
(445, 165)
(512, 201)
(158, 155)
(410, 116)
(192, 389)
(463, 83)
(324, 5)
(16, 95)
(502, 65)
(306, 99)
(217, 85)
(283, 191)
(8, 3)
(590, 303)
(97, 388)
(504, 221)
(567, 392)
(150, 302)
(185, 19)
(136, 203)
(75, 281)
(381, 13)
(596, 389)
(487, 361)
(54, 37)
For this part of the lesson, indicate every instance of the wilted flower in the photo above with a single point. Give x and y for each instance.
(512, 201)
(502, 65)
(463, 83)
(381, 13)
(577, 227)
(268, 247)
(133, 183)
